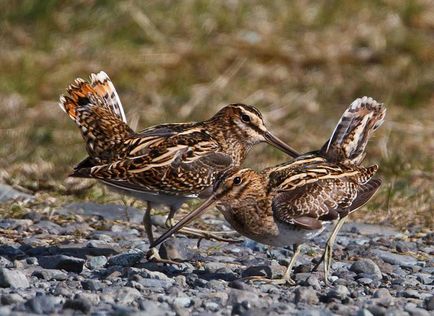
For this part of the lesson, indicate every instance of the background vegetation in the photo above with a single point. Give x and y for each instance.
(300, 62)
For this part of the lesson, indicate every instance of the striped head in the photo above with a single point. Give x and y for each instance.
(246, 124)
(238, 185)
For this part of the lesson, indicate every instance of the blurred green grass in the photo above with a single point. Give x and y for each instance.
(300, 62)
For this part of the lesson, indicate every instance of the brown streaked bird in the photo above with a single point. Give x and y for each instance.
(289, 204)
(166, 164)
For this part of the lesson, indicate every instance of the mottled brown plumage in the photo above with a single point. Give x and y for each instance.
(288, 204)
(165, 164)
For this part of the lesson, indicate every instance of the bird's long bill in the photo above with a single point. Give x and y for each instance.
(184, 221)
(273, 140)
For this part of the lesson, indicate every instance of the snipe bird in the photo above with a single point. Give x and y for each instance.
(166, 164)
(289, 204)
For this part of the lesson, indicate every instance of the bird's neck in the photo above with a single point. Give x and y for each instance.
(231, 140)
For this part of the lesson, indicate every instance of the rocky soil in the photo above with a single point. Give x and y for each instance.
(87, 258)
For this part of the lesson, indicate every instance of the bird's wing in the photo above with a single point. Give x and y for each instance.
(311, 194)
(181, 163)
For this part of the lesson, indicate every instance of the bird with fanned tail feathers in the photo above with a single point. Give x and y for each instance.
(166, 164)
(288, 204)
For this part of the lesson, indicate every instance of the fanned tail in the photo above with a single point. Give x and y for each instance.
(352, 133)
(96, 109)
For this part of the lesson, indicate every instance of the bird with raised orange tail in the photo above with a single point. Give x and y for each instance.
(289, 204)
(166, 164)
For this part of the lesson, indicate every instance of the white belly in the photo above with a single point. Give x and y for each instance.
(289, 235)
(155, 198)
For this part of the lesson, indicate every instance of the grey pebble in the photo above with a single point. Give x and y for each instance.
(96, 262)
(62, 262)
(393, 258)
(43, 304)
(80, 304)
(411, 293)
(383, 297)
(366, 266)
(306, 295)
(182, 301)
(429, 303)
(9, 193)
(91, 285)
(126, 259)
(9, 299)
(13, 279)
(415, 311)
(340, 292)
(364, 312)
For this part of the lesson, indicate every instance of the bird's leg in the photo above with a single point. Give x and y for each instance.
(126, 205)
(328, 252)
(286, 279)
(153, 253)
(147, 223)
(169, 221)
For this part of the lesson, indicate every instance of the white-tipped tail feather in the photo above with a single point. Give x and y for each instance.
(97, 110)
(351, 135)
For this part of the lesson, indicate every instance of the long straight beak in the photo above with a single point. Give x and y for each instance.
(184, 221)
(276, 142)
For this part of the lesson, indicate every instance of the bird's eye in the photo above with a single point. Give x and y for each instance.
(245, 118)
(237, 180)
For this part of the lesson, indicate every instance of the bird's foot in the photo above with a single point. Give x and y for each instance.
(281, 281)
(154, 256)
(203, 234)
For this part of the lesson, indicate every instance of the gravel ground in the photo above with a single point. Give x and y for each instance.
(79, 262)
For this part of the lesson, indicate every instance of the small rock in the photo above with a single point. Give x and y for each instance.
(13, 279)
(340, 292)
(126, 295)
(377, 310)
(43, 304)
(79, 304)
(67, 263)
(126, 259)
(9, 193)
(96, 262)
(410, 293)
(92, 298)
(49, 227)
(365, 281)
(415, 311)
(181, 280)
(214, 267)
(366, 266)
(425, 278)
(154, 275)
(9, 299)
(154, 283)
(364, 312)
(429, 303)
(262, 270)
(239, 296)
(5, 310)
(306, 295)
(392, 258)
(241, 308)
(211, 306)
(383, 296)
(91, 285)
(182, 301)
(312, 281)
(171, 249)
